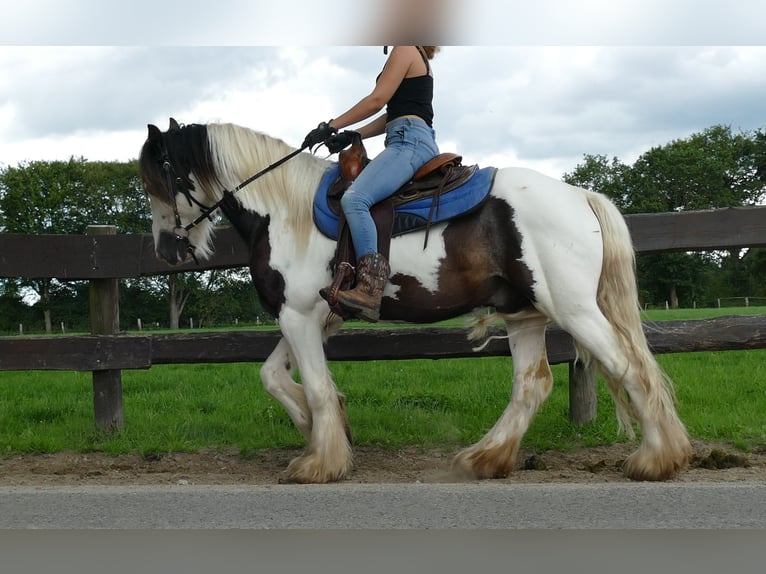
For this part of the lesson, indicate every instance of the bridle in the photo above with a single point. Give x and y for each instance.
(176, 184)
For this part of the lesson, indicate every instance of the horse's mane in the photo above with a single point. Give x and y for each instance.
(286, 192)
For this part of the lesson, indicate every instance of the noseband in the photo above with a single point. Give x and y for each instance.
(176, 184)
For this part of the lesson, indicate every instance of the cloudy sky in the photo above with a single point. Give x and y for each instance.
(538, 88)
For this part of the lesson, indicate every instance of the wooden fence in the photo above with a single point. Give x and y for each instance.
(102, 257)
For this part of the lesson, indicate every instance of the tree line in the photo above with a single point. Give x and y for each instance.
(711, 169)
(65, 197)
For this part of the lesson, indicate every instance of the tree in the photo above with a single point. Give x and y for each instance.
(680, 279)
(218, 296)
(65, 197)
(756, 260)
(143, 299)
(714, 168)
(13, 312)
(599, 174)
(711, 169)
(228, 297)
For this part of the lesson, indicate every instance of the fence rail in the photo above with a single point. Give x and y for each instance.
(102, 257)
(116, 352)
(70, 257)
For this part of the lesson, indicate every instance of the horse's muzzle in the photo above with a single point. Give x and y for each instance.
(172, 249)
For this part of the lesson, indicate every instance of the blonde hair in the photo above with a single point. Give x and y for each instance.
(431, 51)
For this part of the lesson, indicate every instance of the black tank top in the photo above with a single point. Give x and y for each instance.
(413, 97)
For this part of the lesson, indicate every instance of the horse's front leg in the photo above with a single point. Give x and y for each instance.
(328, 455)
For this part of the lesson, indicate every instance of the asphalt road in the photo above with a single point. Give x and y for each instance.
(387, 506)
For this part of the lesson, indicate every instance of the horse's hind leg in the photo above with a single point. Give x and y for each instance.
(494, 456)
(642, 392)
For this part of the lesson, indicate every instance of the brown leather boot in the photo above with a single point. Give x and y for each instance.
(372, 273)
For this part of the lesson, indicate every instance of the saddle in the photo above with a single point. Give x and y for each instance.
(441, 174)
(354, 159)
(436, 177)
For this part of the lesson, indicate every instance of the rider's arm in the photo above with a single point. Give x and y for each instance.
(374, 128)
(393, 73)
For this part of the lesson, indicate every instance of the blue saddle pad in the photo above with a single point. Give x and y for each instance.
(410, 216)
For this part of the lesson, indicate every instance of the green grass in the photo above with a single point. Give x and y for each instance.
(686, 314)
(446, 403)
(722, 395)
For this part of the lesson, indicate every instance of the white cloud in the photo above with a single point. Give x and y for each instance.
(92, 145)
(543, 107)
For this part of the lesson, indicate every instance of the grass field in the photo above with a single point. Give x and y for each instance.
(448, 403)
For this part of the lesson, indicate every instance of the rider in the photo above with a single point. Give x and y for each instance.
(405, 88)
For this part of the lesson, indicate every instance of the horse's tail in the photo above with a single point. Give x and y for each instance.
(618, 301)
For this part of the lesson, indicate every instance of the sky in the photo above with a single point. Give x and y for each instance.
(515, 83)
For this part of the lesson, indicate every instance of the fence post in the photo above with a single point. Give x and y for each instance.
(105, 320)
(582, 392)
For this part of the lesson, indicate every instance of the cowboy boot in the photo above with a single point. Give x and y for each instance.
(371, 276)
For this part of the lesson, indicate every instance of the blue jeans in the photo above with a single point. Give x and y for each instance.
(410, 143)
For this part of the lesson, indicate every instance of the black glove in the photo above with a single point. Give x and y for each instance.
(340, 141)
(318, 135)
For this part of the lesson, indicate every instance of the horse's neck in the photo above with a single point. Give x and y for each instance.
(287, 194)
(250, 225)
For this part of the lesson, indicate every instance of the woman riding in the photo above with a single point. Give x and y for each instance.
(405, 89)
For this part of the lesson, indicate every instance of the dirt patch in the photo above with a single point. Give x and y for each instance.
(712, 463)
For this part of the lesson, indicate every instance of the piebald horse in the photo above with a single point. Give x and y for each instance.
(536, 251)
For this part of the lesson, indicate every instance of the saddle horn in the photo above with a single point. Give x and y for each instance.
(353, 159)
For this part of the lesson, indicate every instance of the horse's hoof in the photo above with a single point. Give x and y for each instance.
(481, 464)
(649, 466)
(308, 469)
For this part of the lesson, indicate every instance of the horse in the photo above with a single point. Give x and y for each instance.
(537, 251)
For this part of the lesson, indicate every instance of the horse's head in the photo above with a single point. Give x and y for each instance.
(176, 172)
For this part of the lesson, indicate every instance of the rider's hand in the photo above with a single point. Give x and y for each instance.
(340, 141)
(318, 135)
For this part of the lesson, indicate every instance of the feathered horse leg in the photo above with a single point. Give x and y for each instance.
(611, 330)
(494, 456)
(328, 455)
(277, 378)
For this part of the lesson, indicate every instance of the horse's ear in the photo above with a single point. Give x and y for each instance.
(154, 133)
(174, 124)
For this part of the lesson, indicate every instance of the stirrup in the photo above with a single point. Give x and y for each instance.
(343, 274)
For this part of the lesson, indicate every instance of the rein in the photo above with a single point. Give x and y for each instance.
(182, 231)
